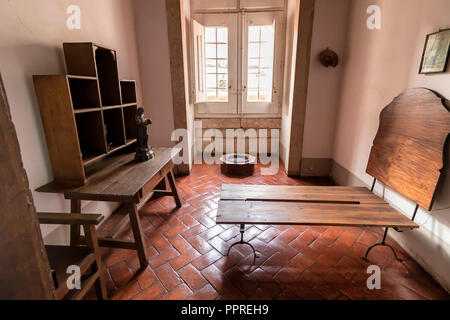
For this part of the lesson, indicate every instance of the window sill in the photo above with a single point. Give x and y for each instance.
(240, 122)
(237, 116)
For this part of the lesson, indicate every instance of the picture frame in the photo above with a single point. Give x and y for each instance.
(436, 52)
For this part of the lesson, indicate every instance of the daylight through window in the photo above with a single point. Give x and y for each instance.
(216, 54)
(260, 63)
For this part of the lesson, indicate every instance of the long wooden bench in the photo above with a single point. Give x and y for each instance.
(406, 156)
(297, 205)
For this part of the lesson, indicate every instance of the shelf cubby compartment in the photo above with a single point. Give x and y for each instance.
(108, 76)
(129, 114)
(128, 89)
(80, 59)
(114, 128)
(90, 135)
(84, 93)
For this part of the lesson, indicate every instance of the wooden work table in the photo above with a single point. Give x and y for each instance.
(121, 179)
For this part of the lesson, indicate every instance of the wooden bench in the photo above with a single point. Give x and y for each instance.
(407, 156)
(298, 205)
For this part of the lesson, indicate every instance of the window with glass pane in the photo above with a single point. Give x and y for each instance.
(260, 63)
(216, 55)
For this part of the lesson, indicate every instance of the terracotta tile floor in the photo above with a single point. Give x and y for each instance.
(186, 248)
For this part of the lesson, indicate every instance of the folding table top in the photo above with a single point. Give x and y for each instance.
(306, 205)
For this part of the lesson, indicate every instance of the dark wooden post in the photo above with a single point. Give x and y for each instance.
(24, 268)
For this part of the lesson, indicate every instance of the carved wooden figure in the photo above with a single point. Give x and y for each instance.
(143, 151)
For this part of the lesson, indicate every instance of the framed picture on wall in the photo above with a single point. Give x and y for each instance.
(435, 53)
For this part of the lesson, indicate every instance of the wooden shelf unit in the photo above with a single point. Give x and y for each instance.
(87, 114)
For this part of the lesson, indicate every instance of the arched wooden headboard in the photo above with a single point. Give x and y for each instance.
(409, 151)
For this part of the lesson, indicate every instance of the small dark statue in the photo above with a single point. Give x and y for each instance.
(143, 151)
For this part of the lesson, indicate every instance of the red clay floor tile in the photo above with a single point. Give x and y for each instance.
(186, 252)
(192, 277)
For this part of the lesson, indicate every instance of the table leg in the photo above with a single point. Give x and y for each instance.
(92, 242)
(173, 188)
(75, 207)
(138, 235)
(242, 230)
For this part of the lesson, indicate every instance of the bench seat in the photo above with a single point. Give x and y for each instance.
(307, 205)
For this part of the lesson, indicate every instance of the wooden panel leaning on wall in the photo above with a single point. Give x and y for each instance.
(23, 261)
(409, 151)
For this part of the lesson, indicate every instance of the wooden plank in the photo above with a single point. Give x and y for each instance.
(116, 243)
(408, 150)
(295, 213)
(69, 218)
(24, 268)
(299, 194)
(58, 119)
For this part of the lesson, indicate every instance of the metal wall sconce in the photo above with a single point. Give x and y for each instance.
(329, 58)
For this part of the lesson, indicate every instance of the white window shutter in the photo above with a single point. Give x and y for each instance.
(199, 62)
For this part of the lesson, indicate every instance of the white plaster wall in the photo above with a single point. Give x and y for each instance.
(380, 65)
(329, 31)
(154, 62)
(31, 37)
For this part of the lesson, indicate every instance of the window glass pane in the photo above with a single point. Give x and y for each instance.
(211, 95)
(222, 63)
(265, 80)
(222, 80)
(253, 65)
(210, 34)
(265, 95)
(267, 50)
(222, 70)
(260, 63)
(267, 33)
(253, 50)
(222, 51)
(252, 95)
(211, 66)
(211, 81)
(252, 81)
(253, 34)
(222, 66)
(222, 35)
(266, 63)
(210, 63)
(216, 55)
(210, 51)
(222, 95)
